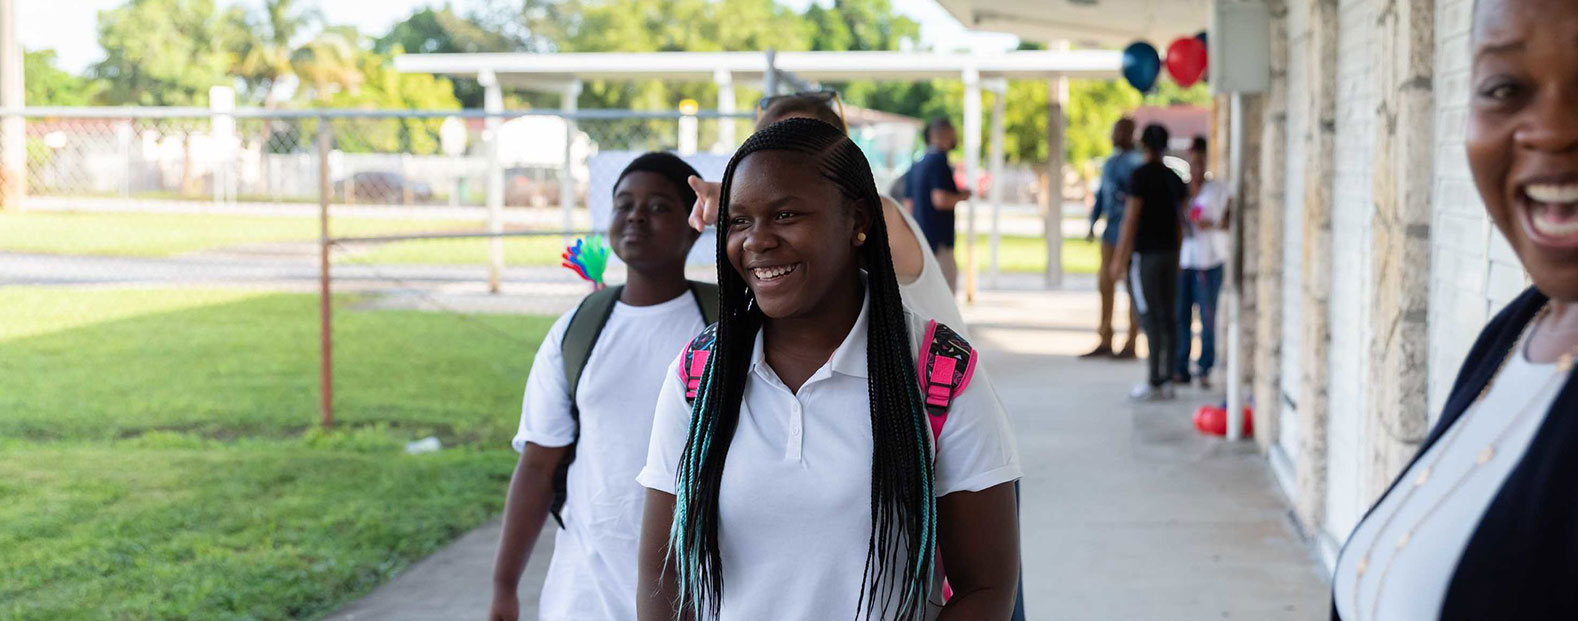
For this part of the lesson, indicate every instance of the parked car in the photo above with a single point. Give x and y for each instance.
(381, 187)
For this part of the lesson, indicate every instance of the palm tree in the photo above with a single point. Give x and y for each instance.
(275, 53)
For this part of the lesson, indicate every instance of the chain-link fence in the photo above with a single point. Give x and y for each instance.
(455, 219)
(109, 158)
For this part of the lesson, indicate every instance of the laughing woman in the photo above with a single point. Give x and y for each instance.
(1484, 523)
(804, 482)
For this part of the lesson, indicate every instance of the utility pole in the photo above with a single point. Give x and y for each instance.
(13, 152)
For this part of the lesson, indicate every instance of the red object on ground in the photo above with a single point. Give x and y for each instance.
(1186, 60)
(1212, 420)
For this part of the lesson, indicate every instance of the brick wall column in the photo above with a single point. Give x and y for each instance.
(1396, 414)
(1267, 245)
(1315, 344)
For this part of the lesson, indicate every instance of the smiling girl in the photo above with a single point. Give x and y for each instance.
(804, 482)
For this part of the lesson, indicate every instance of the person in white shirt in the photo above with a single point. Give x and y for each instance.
(758, 505)
(1200, 264)
(604, 432)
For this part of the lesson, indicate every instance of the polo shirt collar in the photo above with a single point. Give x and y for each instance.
(850, 356)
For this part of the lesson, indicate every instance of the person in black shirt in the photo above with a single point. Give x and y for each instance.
(1151, 235)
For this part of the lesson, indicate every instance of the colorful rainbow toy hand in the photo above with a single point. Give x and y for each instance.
(588, 258)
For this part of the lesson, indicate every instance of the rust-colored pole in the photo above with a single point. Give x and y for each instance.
(326, 334)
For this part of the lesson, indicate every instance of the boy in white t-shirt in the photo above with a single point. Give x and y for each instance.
(598, 425)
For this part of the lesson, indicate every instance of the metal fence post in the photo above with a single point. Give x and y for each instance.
(326, 334)
(493, 103)
(570, 103)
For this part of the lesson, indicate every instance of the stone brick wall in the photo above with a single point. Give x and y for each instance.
(1268, 240)
(1320, 53)
(1352, 211)
(1292, 237)
(1472, 270)
(1395, 406)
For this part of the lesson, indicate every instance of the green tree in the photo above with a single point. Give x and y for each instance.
(49, 85)
(442, 31)
(1093, 107)
(274, 52)
(166, 52)
(387, 89)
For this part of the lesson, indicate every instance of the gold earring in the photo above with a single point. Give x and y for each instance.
(860, 238)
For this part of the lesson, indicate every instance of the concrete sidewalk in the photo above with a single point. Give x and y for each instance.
(1128, 514)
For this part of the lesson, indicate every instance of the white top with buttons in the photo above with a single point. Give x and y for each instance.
(796, 491)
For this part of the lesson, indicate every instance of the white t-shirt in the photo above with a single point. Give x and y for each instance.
(794, 511)
(1206, 248)
(593, 572)
(1417, 576)
(929, 294)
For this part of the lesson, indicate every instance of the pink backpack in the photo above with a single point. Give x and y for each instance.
(947, 363)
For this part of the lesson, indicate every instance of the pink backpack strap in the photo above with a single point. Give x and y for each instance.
(947, 364)
(694, 365)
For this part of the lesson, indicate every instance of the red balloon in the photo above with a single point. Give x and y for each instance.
(1212, 420)
(1186, 60)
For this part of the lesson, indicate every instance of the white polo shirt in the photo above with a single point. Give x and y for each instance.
(593, 572)
(796, 493)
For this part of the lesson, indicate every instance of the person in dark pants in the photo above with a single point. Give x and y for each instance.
(1151, 236)
(935, 195)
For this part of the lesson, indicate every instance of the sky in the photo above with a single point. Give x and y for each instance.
(73, 34)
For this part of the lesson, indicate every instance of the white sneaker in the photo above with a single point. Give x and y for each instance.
(1144, 391)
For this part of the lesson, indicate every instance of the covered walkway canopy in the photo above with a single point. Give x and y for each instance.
(564, 74)
(1111, 23)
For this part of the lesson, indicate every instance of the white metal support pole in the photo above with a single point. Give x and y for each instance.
(726, 103)
(770, 74)
(1235, 168)
(1057, 129)
(13, 150)
(221, 103)
(999, 88)
(972, 171)
(493, 104)
(569, 104)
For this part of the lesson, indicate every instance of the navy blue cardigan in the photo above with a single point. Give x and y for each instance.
(1521, 562)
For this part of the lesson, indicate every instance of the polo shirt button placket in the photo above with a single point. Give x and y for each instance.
(796, 440)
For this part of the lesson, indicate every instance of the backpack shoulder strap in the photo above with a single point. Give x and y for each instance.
(579, 338)
(946, 366)
(706, 295)
(581, 335)
(693, 367)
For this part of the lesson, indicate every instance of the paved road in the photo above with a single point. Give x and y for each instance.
(1128, 513)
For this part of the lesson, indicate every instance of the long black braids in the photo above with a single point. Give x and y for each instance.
(901, 548)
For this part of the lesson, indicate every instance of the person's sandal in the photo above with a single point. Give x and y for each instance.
(1101, 351)
(1127, 353)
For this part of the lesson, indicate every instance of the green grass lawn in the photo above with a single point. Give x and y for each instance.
(163, 235)
(1018, 254)
(159, 456)
(543, 250)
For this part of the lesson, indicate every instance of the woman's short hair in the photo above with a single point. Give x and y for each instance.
(1155, 138)
(1199, 145)
(812, 105)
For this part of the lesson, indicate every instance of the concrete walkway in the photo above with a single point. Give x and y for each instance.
(1128, 514)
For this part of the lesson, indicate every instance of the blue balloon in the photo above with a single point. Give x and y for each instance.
(1141, 65)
